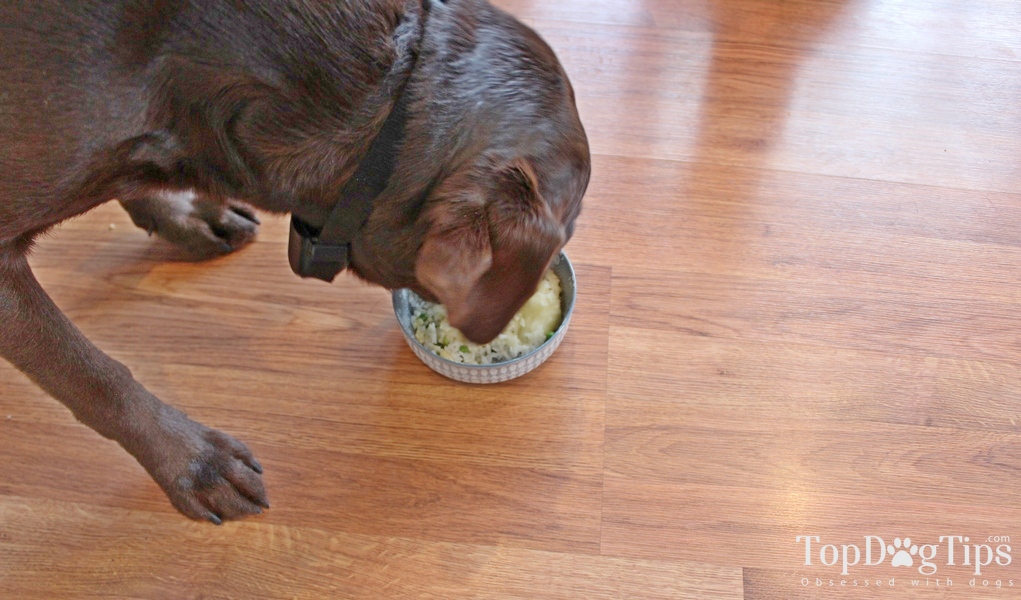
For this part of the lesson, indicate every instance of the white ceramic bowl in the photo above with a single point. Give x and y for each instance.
(497, 372)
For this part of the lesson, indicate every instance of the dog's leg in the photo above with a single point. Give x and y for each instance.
(203, 226)
(205, 473)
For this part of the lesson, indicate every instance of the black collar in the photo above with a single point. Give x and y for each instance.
(324, 253)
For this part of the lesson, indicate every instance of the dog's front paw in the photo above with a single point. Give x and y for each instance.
(207, 474)
(204, 227)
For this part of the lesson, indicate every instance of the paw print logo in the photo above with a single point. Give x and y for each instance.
(899, 550)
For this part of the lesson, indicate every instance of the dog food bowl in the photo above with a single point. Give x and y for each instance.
(496, 372)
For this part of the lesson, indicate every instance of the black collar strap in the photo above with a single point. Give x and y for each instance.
(325, 253)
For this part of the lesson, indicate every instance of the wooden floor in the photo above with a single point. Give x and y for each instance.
(798, 316)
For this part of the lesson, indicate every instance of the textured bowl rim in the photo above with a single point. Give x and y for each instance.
(409, 335)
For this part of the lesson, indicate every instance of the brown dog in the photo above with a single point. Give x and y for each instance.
(186, 110)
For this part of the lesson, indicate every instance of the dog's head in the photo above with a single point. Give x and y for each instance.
(494, 124)
(492, 232)
(494, 224)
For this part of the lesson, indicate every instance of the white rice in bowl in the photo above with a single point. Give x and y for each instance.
(535, 323)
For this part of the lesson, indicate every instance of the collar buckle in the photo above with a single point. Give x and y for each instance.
(311, 257)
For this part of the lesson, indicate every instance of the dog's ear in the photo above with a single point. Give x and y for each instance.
(487, 248)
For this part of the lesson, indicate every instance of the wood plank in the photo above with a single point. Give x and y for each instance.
(925, 321)
(435, 500)
(981, 30)
(791, 109)
(108, 553)
(759, 528)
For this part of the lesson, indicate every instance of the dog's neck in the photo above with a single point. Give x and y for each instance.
(323, 252)
(320, 247)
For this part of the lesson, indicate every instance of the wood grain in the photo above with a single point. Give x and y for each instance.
(260, 560)
(799, 316)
